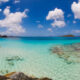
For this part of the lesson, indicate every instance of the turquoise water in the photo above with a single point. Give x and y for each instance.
(33, 57)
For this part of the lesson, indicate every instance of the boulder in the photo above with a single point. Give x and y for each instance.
(4, 78)
(45, 78)
(20, 76)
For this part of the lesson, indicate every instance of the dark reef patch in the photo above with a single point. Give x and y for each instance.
(70, 52)
(11, 60)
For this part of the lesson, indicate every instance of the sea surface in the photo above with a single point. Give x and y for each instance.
(32, 55)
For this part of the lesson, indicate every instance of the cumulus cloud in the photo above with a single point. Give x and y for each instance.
(6, 11)
(3, 1)
(57, 15)
(74, 22)
(76, 9)
(12, 21)
(58, 23)
(0, 10)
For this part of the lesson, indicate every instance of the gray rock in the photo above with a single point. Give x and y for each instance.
(22, 76)
(19, 76)
(3, 78)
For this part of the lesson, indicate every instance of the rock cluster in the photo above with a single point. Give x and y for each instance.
(20, 76)
(70, 53)
(13, 59)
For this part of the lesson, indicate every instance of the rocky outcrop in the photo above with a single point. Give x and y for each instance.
(20, 76)
(3, 78)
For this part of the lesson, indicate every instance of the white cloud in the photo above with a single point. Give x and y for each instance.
(57, 15)
(17, 1)
(0, 10)
(74, 22)
(7, 11)
(76, 31)
(76, 9)
(3, 1)
(58, 23)
(50, 29)
(12, 21)
(40, 26)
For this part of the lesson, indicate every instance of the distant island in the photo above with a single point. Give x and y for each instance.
(3, 36)
(6, 36)
(68, 35)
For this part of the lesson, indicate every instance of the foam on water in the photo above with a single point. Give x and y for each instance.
(37, 59)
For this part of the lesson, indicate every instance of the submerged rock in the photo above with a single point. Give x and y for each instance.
(45, 78)
(20, 76)
(16, 58)
(9, 74)
(11, 60)
(58, 50)
(70, 53)
(3, 78)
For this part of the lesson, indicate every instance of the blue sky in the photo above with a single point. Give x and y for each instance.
(39, 17)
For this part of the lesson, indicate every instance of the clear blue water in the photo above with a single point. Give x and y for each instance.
(36, 59)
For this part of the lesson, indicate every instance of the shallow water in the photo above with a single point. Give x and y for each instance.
(33, 57)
